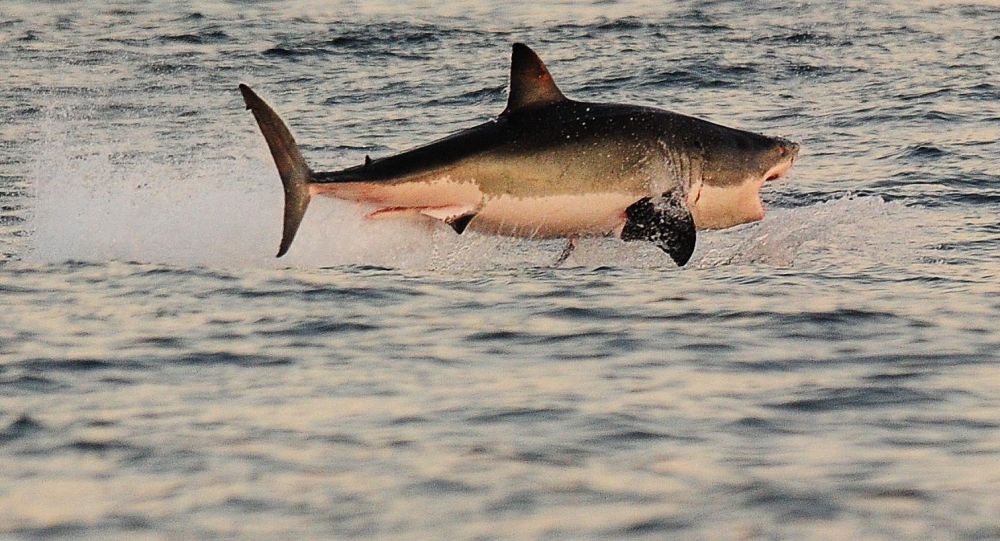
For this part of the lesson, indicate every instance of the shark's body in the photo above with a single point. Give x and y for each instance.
(551, 167)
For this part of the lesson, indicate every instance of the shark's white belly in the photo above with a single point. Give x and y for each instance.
(440, 191)
(553, 216)
(548, 216)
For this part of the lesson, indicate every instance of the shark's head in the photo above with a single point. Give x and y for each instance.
(736, 165)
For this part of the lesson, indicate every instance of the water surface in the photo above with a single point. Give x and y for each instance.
(829, 373)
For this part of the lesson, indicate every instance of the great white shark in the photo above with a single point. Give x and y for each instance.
(552, 167)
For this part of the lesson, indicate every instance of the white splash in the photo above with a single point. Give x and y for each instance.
(847, 228)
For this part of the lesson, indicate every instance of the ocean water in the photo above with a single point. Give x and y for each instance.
(832, 372)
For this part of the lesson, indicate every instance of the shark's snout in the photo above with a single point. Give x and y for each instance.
(788, 148)
(788, 152)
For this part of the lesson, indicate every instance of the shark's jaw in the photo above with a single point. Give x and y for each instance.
(720, 207)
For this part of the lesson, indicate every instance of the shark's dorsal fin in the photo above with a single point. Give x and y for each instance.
(530, 82)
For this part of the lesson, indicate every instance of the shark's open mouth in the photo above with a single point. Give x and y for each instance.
(779, 170)
(774, 173)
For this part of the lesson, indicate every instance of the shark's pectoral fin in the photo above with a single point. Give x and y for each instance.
(665, 221)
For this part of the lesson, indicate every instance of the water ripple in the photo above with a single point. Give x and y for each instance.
(859, 397)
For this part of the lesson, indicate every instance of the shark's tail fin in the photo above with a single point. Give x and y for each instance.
(295, 174)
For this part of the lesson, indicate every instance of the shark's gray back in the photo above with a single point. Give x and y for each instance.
(567, 147)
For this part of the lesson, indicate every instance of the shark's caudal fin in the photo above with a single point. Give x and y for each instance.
(295, 174)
